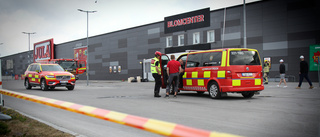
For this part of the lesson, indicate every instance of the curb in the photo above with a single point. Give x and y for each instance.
(150, 125)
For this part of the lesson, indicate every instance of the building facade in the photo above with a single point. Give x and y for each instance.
(278, 29)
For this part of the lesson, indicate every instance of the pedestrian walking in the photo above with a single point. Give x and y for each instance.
(266, 71)
(173, 69)
(282, 70)
(156, 73)
(304, 69)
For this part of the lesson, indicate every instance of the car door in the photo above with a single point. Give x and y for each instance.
(31, 74)
(164, 59)
(181, 79)
(37, 74)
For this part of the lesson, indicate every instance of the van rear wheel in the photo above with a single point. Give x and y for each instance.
(70, 87)
(247, 94)
(213, 90)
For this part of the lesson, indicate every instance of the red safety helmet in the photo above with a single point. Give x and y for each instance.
(157, 53)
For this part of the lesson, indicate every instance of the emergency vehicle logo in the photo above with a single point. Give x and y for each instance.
(211, 58)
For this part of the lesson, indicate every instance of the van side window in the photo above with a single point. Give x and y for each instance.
(194, 60)
(211, 59)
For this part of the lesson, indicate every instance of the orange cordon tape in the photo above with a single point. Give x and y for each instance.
(151, 125)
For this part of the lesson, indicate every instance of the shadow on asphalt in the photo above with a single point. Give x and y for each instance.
(50, 90)
(206, 96)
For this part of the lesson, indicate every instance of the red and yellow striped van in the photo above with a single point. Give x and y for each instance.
(221, 71)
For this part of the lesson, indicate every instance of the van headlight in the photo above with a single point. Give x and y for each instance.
(49, 76)
(72, 76)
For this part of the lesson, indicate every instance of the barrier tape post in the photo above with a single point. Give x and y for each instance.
(150, 125)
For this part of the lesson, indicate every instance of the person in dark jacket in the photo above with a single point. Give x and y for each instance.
(282, 70)
(303, 72)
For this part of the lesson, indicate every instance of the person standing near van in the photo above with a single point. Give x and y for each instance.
(156, 73)
(266, 71)
(303, 73)
(181, 73)
(282, 69)
(173, 69)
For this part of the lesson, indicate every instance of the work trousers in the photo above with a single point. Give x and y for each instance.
(173, 77)
(304, 75)
(265, 76)
(158, 83)
(181, 80)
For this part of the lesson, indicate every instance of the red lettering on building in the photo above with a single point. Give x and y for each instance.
(185, 21)
(43, 50)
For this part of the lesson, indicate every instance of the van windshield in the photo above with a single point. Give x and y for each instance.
(244, 58)
(51, 68)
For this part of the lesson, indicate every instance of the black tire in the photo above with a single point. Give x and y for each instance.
(52, 88)
(214, 90)
(70, 87)
(43, 85)
(27, 84)
(247, 94)
(200, 92)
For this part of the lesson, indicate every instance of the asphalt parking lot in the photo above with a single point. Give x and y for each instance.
(277, 111)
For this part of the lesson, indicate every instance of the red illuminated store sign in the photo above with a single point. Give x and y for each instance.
(187, 21)
(43, 50)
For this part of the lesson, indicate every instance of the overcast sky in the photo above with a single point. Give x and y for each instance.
(60, 19)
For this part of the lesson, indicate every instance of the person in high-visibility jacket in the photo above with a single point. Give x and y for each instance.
(266, 69)
(156, 73)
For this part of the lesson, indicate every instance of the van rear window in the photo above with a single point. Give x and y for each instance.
(244, 58)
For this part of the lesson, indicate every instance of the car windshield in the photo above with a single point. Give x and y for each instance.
(51, 68)
(68, 64)
(244, 58)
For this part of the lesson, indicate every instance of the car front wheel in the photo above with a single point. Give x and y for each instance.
(44, 86)
(27, 84)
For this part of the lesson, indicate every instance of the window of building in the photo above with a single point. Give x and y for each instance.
(180, 40)
(196, 38)
(210, 36)
(169, 41)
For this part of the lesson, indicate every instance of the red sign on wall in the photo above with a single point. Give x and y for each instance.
(43, 50)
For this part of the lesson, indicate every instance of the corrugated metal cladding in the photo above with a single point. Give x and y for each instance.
(278, 29)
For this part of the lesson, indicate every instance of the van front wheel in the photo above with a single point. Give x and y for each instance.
(213, 90)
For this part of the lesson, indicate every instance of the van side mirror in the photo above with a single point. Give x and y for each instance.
(37, 71)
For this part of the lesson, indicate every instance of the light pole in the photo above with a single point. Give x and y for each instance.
(244, 25)
(0, 55)
(29, 42)
(87, 69)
